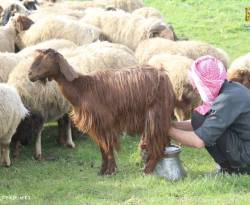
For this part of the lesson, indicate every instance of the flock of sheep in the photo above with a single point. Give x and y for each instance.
(91, 35)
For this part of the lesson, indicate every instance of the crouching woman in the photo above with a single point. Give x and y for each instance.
(222, 123)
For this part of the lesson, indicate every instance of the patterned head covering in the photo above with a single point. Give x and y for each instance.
(207, 74)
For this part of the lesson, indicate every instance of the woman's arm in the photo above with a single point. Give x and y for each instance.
(188, 138)
(184, 125)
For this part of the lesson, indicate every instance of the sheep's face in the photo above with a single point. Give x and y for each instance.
(44, 66)
(30, 5)
(241, 76)
(21, 23)
(163, 31)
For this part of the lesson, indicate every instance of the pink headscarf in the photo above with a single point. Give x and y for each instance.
(207, 74)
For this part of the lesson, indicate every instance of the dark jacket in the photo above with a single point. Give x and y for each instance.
(230, 117)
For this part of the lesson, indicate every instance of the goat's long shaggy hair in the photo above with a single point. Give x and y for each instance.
(139, 100)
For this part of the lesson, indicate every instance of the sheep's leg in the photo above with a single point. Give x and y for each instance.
(64, 128)
(17, 148)
(5, 155)
(38, 154)
(61, 139)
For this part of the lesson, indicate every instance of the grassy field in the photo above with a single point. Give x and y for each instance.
(72, 178)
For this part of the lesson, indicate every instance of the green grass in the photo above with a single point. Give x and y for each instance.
(72, 179)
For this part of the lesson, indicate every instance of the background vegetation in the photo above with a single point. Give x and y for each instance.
(72, 177)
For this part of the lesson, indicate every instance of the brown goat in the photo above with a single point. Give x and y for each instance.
(138, 100)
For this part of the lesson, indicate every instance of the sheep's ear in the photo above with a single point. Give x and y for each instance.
(156, 29)
(23, 23)
(66, 69)
(1, 10)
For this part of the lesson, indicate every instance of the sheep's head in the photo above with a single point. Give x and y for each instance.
(49, 64)
(240, 75)
(162, 30)
(11, 11)
(30, 4)
(22, 23)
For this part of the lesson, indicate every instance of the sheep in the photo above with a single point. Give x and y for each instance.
(48, 28)
(126, 5)
(148, 12)
(7, 38)
(12, 111)
(53, 11)
(38, 98)
(8, 61)
(107, 103)
(44, 101)
(127, 29)
(10, 8)
(177, 69)
(191, 49)
(239, 70)
(100, 55)
(59, 44)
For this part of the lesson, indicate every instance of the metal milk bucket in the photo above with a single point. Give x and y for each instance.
(170, 166)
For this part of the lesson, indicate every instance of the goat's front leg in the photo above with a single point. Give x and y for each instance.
(111, 164)
(150, 166)
(104, 161)
(5, 155)
(64, 132)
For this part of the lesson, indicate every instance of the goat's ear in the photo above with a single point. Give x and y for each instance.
(66, 68)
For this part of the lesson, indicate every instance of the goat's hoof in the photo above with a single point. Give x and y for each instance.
(148, 170)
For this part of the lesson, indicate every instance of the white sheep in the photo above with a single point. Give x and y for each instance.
(148, 12)
(8, 61)
(100, 56)
(59, 28)
(12, 111)
(192, 49)
(239, 70)
(10, 7)
(126, 5)
(7, 38)
(127, 29)
(47, 101)
(177, 69)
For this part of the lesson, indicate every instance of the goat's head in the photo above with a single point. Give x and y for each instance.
(49, 64)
